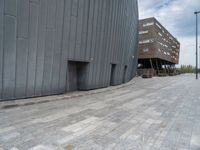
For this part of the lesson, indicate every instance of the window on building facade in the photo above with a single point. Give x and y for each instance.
(159, 34)
(151, 40)
(145, 49)
(144, 42)
(158, 25)
(148, 24)
(144, 32)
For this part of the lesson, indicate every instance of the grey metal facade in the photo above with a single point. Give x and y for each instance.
(54, 46)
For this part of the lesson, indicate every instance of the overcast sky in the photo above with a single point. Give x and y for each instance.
(177, 16)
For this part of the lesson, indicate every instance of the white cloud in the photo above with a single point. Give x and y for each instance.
(188, 50)
(178, 18)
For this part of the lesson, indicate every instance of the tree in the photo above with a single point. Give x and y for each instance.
(186, 69)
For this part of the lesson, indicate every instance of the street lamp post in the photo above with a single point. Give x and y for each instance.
(196, 13)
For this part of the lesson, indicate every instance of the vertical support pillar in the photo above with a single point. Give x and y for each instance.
(196, 45)
(1, 45)
(157, 66)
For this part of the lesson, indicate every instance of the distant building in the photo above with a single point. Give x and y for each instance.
(55, 46)
(158, 49)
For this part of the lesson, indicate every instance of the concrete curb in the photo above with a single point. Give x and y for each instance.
(46, 99)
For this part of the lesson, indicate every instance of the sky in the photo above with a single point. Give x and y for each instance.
(177, 16)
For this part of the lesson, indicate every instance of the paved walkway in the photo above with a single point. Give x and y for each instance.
(146, 114)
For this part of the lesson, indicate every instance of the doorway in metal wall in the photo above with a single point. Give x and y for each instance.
(112, 74)
(76, 75)
(124, 74)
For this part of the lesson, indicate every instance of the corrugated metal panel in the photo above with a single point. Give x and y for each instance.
(1, 45)
(40, 37)
(42, 23)
(9, 57)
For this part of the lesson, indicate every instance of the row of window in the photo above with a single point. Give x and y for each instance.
(148, 24)
(151, 41)
(152, 23)
(168, 53)
(164, 52)
(144, 32)
(146, 41)
(164, 39)
(170, 37)
(164, 45)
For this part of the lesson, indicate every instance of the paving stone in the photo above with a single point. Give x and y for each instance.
(144, 114)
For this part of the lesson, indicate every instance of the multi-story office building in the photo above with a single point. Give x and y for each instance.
(55, 46)
(157, 47)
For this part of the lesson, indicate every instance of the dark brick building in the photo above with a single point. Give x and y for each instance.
(158, 49)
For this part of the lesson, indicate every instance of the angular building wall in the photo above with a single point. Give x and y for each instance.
(54, 46)
(155, 42)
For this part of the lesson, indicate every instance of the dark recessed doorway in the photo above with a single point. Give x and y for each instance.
(76, 75)
(112, 74)
(124, 74)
